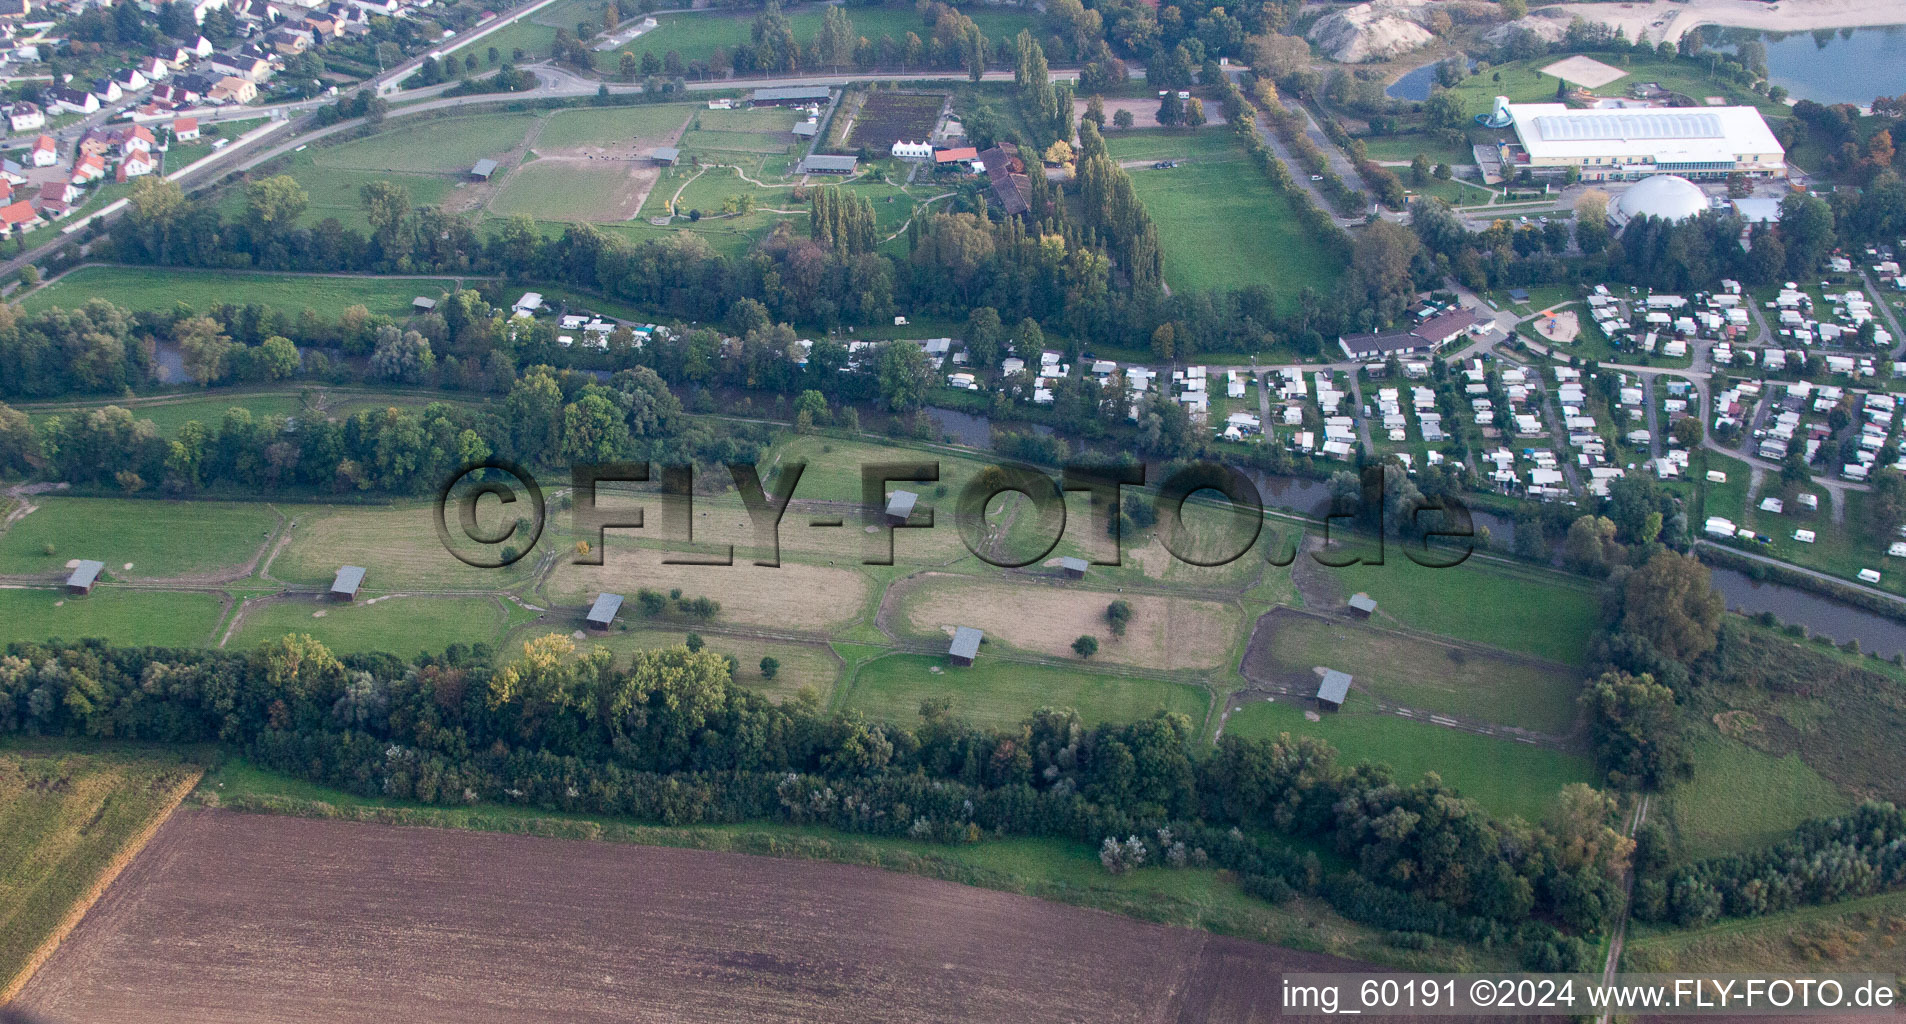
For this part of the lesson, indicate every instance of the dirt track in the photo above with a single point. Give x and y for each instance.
(235, 917)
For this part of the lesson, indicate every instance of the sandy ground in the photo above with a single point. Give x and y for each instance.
(798, 597)
(228, 917)
(1667, 20)
(1560, 328)
(1165, 632)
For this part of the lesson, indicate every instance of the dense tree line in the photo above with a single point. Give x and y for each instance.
(673, 739)
(1825, 860)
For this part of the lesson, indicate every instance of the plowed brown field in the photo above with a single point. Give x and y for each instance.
(236, 917)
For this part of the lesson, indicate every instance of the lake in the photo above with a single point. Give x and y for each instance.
(1851, 65)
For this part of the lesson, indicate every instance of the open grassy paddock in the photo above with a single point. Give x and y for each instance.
(1544, 614)
(128, 618)
(567, 129)
(1741, 798)
(1506, 776)
(1416, 673)
(802, 665)
(138, 540)
(569, 190)
(401, 625)
(68, 822)
(1219, 221)
(996, 693)
(154, 288)
(399, 544)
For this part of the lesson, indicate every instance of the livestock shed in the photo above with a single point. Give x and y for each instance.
(665, 156)
(1363, 605)
(900, 506)
(85, 574)
(350, 579)
(788, 96)
(965, 646)
(423, 304)
(483, 170)
(824, 164)
(602, 614)
(1073, 568)
(1335, 687)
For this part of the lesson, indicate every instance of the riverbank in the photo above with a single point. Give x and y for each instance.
(1667, 21)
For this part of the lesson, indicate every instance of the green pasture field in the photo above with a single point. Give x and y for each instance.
(1544, 614)
(1406, 147)
(397, 544)
(1506, 776)
(833, 470)
(995, 693)
(339, 191)
(169, 413)
(601, 126)
(162, 539)
(1050, 869)
(126, 618)
(142, 288)
(1425, 676)
(1222, 225)
(1728, 499)
(803, 666)
(568, 190)
(1741, 798)
(438, 146)
(1209, 143)
(65, 818)
(535, 34)
(403, 626)
(1522, 82)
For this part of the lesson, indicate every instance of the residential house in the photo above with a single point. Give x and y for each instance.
(54, 207)
(290, 41)
(251, 69)
(186, 129)
(76, 101)
(130, 80)
(137, 164)
(18, 217)
(90, 168)
(175, 58)
(153, 69)
(26, 117)
(202, 47)
(200, 8)
(46, 152)
(179, 94)
(108, 90)
(232, 90)
(15, 8)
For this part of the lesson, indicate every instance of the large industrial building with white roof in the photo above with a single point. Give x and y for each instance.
(1630, 143)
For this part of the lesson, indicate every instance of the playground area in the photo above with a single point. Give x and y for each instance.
(1558, 327)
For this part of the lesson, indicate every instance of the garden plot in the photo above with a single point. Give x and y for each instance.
(888, 117)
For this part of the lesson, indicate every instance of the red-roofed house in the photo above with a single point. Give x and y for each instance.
(46, 152)
(20, 216)
(54, 208)
(91, 167)
(965, 154)
(186, 129)
(136, 164)
(137, 139)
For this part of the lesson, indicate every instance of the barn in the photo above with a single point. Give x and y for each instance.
(900, 506)
(602, 614)
(1072, 568)
(85, 574)
(350, 579)
(1332, 691)
(483, 170)
(1362, 605)
(965, 646)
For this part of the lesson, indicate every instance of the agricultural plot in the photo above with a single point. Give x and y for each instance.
(997, 693)
(399, 625)
(749, 594)
(138, 540)
(1221, 224)
(1505, 776)
(1164, 632)
(708, 935)
(128, 618)
(1414, 672)
(146, 288)
(886, 117)
(68, 823)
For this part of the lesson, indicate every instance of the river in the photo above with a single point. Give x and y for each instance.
(1849, 65)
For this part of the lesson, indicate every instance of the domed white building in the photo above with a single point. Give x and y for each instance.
(1666, 196)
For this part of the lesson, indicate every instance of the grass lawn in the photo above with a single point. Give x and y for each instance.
(170, 412)
(161, 539)
(1044, 868)
(1407, 145)
(994, 693)
(1741, 798)
(399, 625)
(1505, 776)
(1522, 82)
(141, 288)
(602, 126)
(564, 190)
(1543, 614)
(398, 544)
(695, 36)
(448, 145)
(66, 820)
(334, 191)
(1424, 676)
(127, 618)
(1219, 221)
